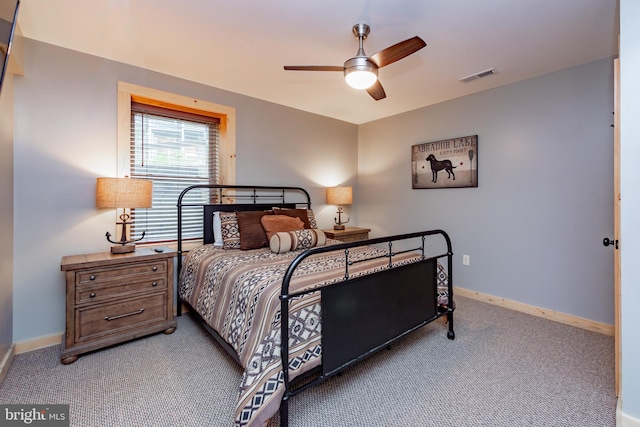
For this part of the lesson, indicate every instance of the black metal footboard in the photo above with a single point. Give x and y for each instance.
(363, 315)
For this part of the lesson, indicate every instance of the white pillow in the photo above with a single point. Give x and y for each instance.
(217, 230)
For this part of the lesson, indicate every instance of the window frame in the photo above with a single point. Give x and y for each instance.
(128, 93)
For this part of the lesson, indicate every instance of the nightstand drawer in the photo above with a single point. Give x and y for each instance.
(127, 287)
(87, 277)
(352, 238)
(93, 322)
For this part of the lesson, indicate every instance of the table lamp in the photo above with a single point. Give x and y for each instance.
(339, 196)
(125, 193)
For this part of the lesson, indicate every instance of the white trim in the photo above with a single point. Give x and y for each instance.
(624, 420)
(556, 316)
(6, 362)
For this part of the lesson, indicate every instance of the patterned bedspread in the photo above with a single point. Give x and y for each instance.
(236, 292)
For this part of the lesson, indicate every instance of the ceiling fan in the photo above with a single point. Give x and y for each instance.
(361, 71)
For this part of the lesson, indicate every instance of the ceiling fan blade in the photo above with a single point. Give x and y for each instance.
(397, 51)
(313, 68)
(376, 91)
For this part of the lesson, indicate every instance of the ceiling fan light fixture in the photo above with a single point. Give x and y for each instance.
(360, 73)
(360, 79)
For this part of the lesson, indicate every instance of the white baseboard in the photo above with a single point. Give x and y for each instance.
(624, 420)
(5, 363)
(556, 316)
(36, 343)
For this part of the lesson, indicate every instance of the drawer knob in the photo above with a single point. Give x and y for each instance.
(154, 284)
(92, 277)
(92, 295)
(155, 268)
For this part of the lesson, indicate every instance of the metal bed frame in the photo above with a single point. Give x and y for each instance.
(397, 301)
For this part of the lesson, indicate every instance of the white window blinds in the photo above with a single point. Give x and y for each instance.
(174, 149)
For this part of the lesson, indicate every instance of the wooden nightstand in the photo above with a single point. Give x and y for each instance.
(349, 234)
(116, 298)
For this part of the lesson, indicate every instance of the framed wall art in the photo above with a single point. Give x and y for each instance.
(450, 163)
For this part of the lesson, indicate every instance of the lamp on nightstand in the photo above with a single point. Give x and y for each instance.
(339, 196)
(125, 193)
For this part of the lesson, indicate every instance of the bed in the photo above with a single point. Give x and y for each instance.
(344, 301)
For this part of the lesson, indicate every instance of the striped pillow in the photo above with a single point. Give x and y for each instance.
(285, 241)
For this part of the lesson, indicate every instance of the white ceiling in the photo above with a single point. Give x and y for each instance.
(242, 45)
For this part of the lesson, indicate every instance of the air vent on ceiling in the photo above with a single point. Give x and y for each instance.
(478, 75)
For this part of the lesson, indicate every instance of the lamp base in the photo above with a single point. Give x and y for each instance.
(338, 227)
(123, 249)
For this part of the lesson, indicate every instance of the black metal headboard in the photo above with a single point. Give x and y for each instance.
(230, 198)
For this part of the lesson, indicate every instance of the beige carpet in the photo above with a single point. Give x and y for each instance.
(503, 369)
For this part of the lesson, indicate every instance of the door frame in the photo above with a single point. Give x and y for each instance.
(616, 222)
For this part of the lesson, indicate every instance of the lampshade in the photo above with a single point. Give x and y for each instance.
(339, 196)
(123, 193)
(360, 73)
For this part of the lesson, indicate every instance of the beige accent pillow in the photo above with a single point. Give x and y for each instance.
(285, 241)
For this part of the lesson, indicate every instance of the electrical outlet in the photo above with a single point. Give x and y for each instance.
(465, 259)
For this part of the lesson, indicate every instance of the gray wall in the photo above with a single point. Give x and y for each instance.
(541, 210)
(630, 206)
(65, 137)
(533, 228)
(6, 214)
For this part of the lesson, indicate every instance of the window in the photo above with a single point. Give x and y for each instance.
(176, 142)
(174, 149)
